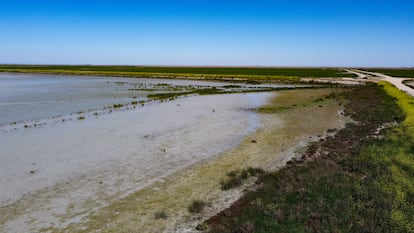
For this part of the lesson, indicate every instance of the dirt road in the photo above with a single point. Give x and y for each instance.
(398, 82)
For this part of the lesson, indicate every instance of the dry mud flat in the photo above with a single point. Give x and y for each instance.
(288, 122)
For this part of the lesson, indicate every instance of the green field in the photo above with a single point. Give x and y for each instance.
(403, 73)
(226, 73)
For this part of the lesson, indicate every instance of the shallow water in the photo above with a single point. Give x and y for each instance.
(56, 167)
(27, 97)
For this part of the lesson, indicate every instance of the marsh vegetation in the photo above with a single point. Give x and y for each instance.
(213, 73)
(366, 176)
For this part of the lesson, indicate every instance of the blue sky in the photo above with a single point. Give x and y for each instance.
(235, 33)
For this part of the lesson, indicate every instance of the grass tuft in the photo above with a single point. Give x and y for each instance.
(160, 215)
(196, 206)
(237, 177)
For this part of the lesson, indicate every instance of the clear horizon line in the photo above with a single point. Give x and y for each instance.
(204, 66)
